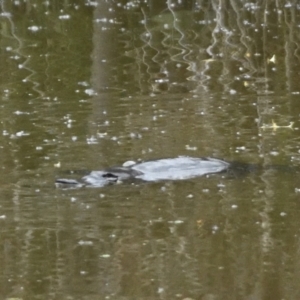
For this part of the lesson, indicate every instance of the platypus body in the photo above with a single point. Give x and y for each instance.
(178, 168)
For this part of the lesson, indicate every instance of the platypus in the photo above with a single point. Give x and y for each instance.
(178, 168)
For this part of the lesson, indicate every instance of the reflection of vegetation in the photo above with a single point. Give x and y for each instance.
(175, 45)
(182, 20)
(43, 62)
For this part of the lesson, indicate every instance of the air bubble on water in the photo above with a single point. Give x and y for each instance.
(85, 243)
(90, 92)
(64, 17)
(105, 255)
(92, 140)
(34, 28)
(101, 135)
(176, 222)
(21, 113)
(191, 148)
(215, 227)
(163, 188)
(103, 20)
(5, 14)
(83, 83)
(21, 133)
(91, 3)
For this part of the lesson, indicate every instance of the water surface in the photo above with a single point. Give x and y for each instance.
(88, 85)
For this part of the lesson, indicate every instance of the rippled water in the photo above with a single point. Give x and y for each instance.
(88, 85)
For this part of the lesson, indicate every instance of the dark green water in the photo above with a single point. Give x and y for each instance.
(86, 85)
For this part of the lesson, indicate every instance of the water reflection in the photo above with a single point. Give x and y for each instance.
(88, 85)
(231, 48)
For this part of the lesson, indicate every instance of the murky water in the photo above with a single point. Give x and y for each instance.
(87, 84)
